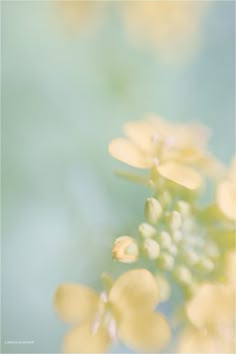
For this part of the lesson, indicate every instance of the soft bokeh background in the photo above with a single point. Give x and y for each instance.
(67, 90)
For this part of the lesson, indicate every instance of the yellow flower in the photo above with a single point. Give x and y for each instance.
(171, 27)
(80, 15)
(226, 193)
(125, 311)
(212, 314)
(174, 150)
(195, 341)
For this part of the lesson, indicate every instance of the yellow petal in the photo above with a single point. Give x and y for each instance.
(231, 269)
(125, 151)
(192, 134)
(75, 302)
(163, 127)
(180, 174)
(226, 198)
(145, 332)
(134, 290)
(194, 341)
(232, 171)
(142, 134)
(211, 305)
(82, 340)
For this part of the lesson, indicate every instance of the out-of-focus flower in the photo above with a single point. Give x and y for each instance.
(226, 193)
(170, 27)
(212, 316)
(175, 151)
(81, 15)
(125, 311)
(125, 249)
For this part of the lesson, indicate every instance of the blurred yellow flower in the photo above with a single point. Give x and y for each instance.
(175, 151)
(226, 193)
(125, 311)
(212, 316)
(80, 14)
(171, 27)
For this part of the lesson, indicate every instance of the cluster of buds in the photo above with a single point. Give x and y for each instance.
(172, 238)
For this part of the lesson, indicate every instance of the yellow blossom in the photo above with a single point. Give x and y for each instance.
(211, 313)
(226, 193)
(80, 15)
(171, 27)
(125, 311)
(174, 151)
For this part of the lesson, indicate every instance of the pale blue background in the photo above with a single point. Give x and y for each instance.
(65, 95)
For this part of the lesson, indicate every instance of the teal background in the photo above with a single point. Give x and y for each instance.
(65, 95)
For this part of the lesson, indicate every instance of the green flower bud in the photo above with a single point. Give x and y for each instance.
(165, 239)
(164, 287)
(125, 249)
(165, 261)
(188, 224)
(175, 220)
(212, 250)
(191, 257)
(146, 230)
(165, 198)
(153, 210)
(177, 236)
(152, 248)
(183, 207)
(173, 250)
(206, 265)
(183, 275)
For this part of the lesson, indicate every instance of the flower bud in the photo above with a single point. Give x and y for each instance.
(206, 265)
(125, 249)
(183, 275)
(165, 239)
(212, 250)
(173, 250)
(191, 257)
(164, 287)
(175, 220)
(165, 261)
(165, 198)
(152, 248)
(177, 236)
(153, 210)
(146, 230)
(183, 207)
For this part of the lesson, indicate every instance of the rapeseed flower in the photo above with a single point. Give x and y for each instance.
(125, 311)
(174, 151)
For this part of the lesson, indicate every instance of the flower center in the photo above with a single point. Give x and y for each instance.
(105, 318)
(162, 145)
